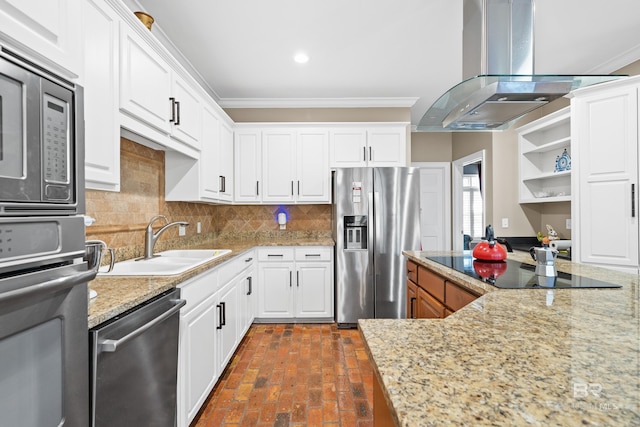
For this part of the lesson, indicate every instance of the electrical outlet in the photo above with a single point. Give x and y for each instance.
(182, 230)
(505, 222)
(199, 227)
(568, 224)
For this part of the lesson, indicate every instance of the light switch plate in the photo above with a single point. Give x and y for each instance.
(182, 230)
(568, 224)
(199, 227)
(505, 222)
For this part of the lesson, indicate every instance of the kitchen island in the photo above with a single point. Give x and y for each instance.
(514, 356)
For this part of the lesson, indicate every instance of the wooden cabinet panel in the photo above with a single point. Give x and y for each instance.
(431, 282)
(428, 306)
(412, 296)
(456, 297)
(412, 271)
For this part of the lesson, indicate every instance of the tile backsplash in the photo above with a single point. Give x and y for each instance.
(121, 217)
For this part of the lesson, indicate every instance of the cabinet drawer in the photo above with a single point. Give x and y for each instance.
(198, 289)
(428, 306)
(412, 271)
(313, 253)
(275, 254)
(431, 283)
(235, 266)
(456, 297)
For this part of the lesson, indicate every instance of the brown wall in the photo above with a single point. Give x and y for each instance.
(122, 217)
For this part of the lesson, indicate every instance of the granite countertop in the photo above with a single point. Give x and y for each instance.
(117, 294)
(515, 356)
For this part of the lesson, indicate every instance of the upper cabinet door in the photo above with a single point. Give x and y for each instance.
(348, 148)
(186, 113)
(278, 166)
(145, 82)
(210, 154)
(101, 82)
(387, 146)
(51, 31)
(226, 177)
(605, 158)
(313, 177)
(248, 166)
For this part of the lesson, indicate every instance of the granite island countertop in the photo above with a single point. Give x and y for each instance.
(117, 294)
(542, 357)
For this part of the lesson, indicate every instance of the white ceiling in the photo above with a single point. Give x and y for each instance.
(372, 52)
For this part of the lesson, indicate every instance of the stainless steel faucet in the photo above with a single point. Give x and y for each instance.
(150, 238)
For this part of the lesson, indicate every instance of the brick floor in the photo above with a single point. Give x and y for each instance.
(294, 375)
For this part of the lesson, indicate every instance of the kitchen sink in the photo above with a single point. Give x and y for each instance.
(167, 263)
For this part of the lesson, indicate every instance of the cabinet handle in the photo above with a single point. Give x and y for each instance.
(248, 260)
(292, 188)
(219, 307)
(412, 315)
(310, 255)
(250, 287)
(224, 313)
(173, 109)
(633, 200)
(297, 279)
(298, 188)
(290, 278)
(257, 188)
(177, 113)
(224, 184)
(370, 155)
(364, 154)
(409, 272)
(221, 184)
(275, 255)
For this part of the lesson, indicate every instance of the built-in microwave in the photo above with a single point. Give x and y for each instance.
(41, 141)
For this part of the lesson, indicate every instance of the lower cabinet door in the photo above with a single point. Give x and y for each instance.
(275, 289)
(412, 297)
(428, 306)
(197, 364)
(314, 290)
(227, 322)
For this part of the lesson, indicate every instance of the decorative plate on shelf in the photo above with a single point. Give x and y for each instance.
(563, 162)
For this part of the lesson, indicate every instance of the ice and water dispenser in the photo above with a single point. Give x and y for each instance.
(355, 232)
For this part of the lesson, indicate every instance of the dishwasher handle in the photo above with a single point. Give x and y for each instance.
(110, 346)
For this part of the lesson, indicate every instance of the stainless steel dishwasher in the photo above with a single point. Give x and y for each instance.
(134, 365)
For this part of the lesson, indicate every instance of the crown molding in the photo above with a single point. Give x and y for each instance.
(399, 102)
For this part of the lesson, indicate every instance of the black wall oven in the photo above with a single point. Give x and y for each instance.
(44, 366)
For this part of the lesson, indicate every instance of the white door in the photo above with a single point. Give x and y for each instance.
(227, 325)
(198, 369)
(187, 113)
(275, 290)
(348, 148)
(101, 83)
(226, 177)
(387, 147)
(145, 82)
(313, 175)
(435, 206)
(278, 166)
(607, 165)
(210, 154)
(248, 161)
(314, 297)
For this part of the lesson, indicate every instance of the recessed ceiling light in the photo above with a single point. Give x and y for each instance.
(301, 58)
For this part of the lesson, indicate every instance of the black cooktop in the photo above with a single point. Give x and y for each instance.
(511, 274)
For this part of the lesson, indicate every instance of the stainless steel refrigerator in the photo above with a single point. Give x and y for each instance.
(375, 217)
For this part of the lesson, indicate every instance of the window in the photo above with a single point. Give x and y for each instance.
(472, 206)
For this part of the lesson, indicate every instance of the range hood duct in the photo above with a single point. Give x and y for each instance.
(498, 65)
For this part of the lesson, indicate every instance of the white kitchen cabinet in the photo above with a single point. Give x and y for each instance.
(604, 121)
(295, 283)
(313, 180)
(544, 145)
(278, 165)
(247, 295)
(101, 84)
(198, 369)
(227, 326)
(49, 33)
(248, 165)
(369, 145)
(226, 164)
(186, 112)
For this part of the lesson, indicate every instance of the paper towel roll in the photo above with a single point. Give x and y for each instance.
(560, 245)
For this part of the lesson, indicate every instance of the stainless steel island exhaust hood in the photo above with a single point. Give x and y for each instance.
(498, 51)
